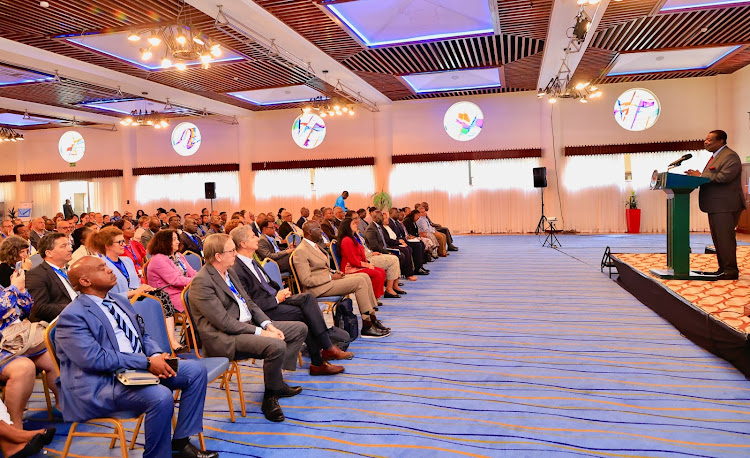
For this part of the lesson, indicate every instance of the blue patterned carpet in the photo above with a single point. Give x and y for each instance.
(507, 349)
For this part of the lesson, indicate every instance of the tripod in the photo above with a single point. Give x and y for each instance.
(543, 220)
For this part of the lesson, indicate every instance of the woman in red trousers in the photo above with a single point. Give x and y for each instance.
(353, 258)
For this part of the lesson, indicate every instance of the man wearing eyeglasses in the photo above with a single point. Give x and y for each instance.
(48, 282)
(231, 325)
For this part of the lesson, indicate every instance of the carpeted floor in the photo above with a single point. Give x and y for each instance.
(507, 349)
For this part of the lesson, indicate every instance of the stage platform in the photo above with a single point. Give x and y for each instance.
(708, 313)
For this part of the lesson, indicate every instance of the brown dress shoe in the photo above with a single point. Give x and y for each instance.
(336, 353)
(325, 369)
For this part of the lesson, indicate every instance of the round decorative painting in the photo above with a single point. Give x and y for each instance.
(463, 121)
(308, 130)
(186, 139)
(637, 109)
(71, 146)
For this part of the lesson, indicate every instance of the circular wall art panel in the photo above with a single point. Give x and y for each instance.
(186, 139)
(308, 130)
(637, 109)
(463, 121)
(71, 146)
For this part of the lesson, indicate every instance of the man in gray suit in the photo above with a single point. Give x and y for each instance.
(723, 200)
(232, 325)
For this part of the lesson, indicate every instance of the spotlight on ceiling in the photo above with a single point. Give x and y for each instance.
(583, 22)
(133, 36)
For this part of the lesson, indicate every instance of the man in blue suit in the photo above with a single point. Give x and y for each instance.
(98, 335)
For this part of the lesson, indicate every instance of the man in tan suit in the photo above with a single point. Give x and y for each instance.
(230, 324)
(312, 267)
(723, 200)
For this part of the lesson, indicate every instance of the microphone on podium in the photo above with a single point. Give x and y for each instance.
(680, 160)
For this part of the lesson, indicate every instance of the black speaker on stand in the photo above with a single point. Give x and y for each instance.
(211, 192)
(540, 181)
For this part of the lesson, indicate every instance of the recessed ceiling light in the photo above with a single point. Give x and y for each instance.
(44, 4)
(287, 92)
(660, 58)
(455, 77)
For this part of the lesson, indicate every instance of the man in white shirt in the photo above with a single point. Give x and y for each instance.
(232, 325)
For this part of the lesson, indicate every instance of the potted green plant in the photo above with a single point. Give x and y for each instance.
(382, 201)
(632, 214)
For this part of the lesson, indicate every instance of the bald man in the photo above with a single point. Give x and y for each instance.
(98, 335)
(37, 231)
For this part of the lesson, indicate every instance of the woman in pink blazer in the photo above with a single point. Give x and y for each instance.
(168, 268)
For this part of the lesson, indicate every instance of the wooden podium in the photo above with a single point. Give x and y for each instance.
(678, 189)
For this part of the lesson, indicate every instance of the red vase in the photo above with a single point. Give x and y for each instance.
(633, 218)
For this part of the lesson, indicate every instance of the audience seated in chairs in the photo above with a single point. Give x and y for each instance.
(397, 231)
(268, 248)
(133, 249)
(6, 229)
(328, 224)
(312, 266)
(379, 241)
(279, 304)
(429, 240)
(38, 230)
(12, 250)
(109, 243)
(304, 215)
(338, 215)
(232, 325)
(287, 226)
(80, 242)
(426, 231)
(442, 229)
(190, 238)
(168, 269)
(17, 443)
(48, 282)
(154, 225)
(89, 362)
(18, 370)
(353, 260)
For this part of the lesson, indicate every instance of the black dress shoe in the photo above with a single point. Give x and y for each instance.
(380, 304)
(708, 272)
(400, 291)
(422, 272)
(452, 248)
(288, 391)
(378, 324)
(271, 409)
(191, 451)
(726, 276)
(388, 295)
(372, 332)
(400, 284)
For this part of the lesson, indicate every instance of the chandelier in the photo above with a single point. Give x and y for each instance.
(324, 107)
(9, 135)
(181, 43)
(146, 118)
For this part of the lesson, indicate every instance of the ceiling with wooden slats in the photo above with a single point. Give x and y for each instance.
(637, 26)
(517, 51)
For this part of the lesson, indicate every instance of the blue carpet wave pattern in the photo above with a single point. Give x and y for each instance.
(506, 349)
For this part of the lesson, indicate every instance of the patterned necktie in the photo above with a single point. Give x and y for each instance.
(263, 282)
(135, 341)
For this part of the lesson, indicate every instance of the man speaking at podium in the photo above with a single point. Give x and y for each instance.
(723, 200)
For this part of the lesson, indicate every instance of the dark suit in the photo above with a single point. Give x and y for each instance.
(256, 230)
(723, 200)
(49, 294)
(217, 315)
(299, 307)
(417, 247)
(378, 240)
(302, 220)
(67, 211)
(266, 250)
(285, 229)
(191, 242)
(328, 229)
(34, 238)
(90, 355)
